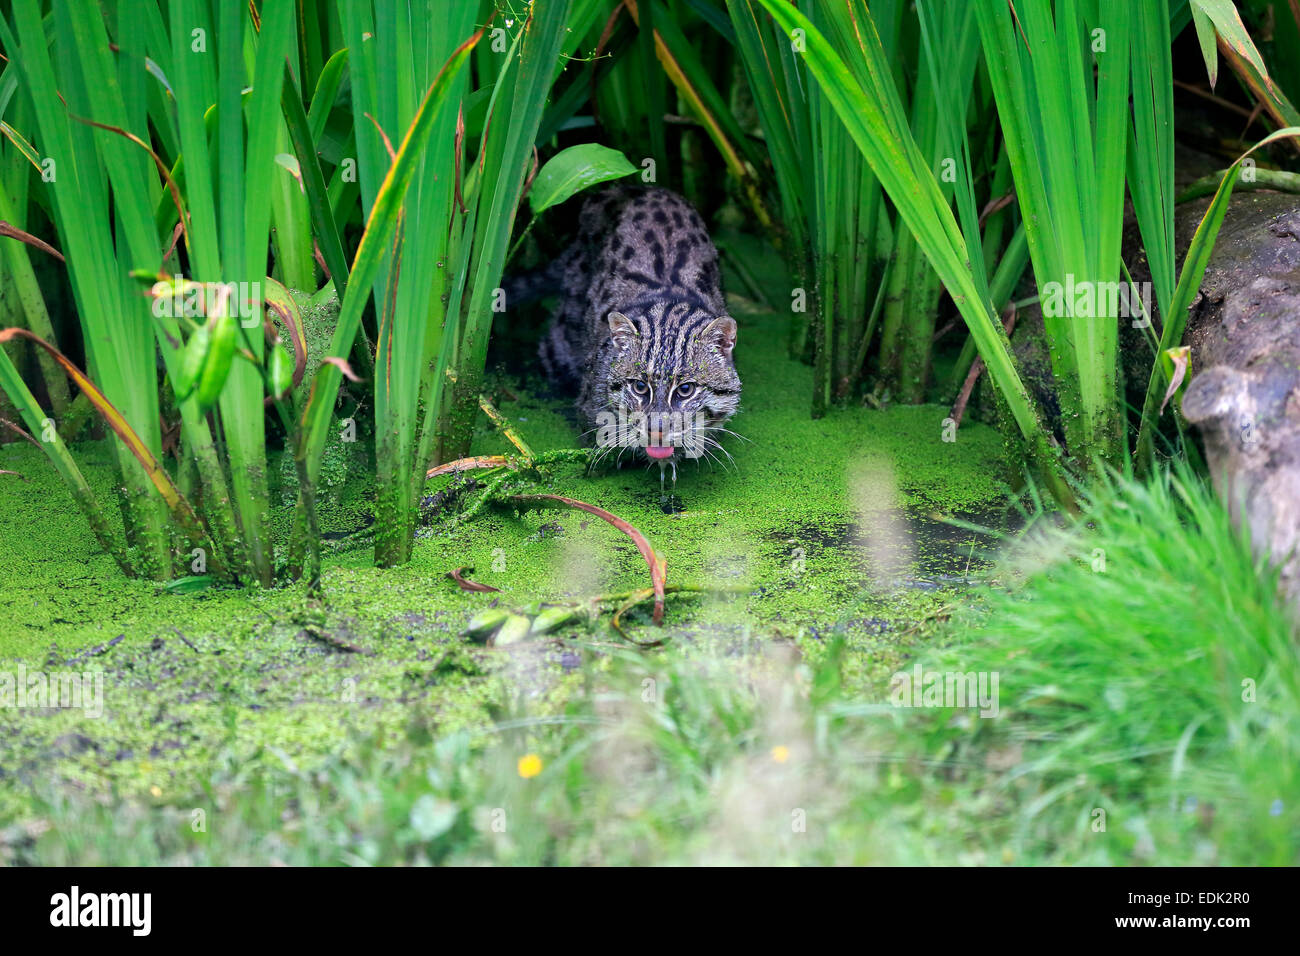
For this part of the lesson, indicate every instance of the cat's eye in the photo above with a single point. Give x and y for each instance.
(686, 390)
(639, 387)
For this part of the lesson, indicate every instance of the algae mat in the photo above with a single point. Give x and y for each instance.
(834, 525)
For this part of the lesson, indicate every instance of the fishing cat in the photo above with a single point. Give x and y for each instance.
(642, 329)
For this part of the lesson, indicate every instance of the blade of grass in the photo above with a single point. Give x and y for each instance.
(380, 229)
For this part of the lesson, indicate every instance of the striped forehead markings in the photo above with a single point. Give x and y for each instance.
(660, 320)
(682, 321)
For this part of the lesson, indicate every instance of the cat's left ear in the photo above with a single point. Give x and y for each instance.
(720, 334)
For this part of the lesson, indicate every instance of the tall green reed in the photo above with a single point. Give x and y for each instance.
(194, 129)
(1060, 76)
(853, 71)
(437, 282)
(94, 101)
(869, 276)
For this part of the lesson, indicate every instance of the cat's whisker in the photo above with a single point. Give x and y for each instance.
(713, 443)
(719, 462)
(604, 453)
(727, 431)
(713, 459)
(702, 445)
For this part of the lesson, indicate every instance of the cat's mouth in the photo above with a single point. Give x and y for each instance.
(659, 451)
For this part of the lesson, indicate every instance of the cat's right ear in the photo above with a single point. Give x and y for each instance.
(622, 330)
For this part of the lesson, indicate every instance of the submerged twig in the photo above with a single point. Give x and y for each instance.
(506, 428)
(656, 563)
(527, 460)
(335, 642)
(977, 366)
(457, 575)
(636, 598)
(509, 462)
(509, 467)
(468, 464)
(23, 433)
(491, 492)
(97, 650)
(185, 640)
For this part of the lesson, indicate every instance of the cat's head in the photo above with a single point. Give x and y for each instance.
(672, 371)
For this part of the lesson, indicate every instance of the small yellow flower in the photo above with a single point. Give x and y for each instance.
(780, 753)
(156, 790)
(530, 765)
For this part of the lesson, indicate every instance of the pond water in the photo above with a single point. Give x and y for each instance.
(834, 526)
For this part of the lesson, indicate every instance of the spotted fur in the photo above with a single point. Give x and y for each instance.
(642, 325)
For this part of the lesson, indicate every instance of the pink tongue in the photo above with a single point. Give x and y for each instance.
(659, 451)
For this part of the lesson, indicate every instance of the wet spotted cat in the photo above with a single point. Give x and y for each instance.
(642, 330)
